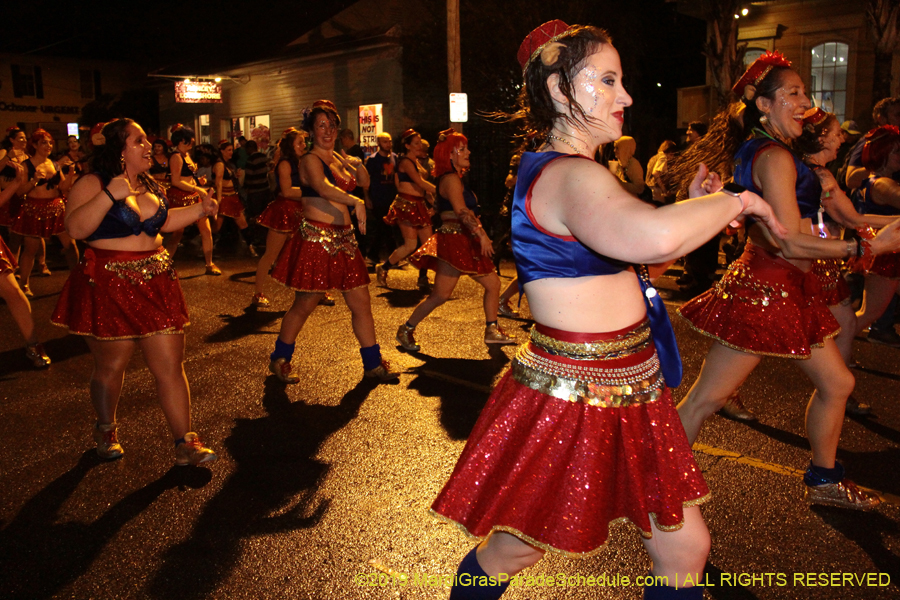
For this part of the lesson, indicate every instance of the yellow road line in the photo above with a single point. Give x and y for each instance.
(775, 468)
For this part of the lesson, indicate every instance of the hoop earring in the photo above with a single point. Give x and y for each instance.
(763, 120)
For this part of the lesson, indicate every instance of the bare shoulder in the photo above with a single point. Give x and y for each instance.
(451, 184)
(775, 157)
(575, 177)
(84, 189)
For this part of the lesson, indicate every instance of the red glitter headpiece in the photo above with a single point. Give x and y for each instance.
(223, 143)
(325, 104)
(814, 116)
(175, 128)
(537, 39)
(97, 128)
(759, 69)
(445, 134)
(11, 129)
(408, 134)
(879, 144)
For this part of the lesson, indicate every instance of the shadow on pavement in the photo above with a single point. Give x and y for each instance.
(403, 298)
(58, 349)
(272, 489)
(868, 530)
(251, 322)
(888, 433)
(470, 383)
(39, 556)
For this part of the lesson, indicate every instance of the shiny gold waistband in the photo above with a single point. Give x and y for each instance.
(631, 342)
(334, 238)
(595, 386)
(143, 269)
(451, 226)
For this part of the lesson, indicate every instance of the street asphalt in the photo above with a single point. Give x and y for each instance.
(322, 489)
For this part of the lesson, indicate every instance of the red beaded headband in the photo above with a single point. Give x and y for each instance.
(535, 41)
(814, 116)
(759, 69)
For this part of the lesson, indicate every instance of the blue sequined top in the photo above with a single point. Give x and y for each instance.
(295, 176)
(540, 254)
(121, 220)
(443, 204)
(862, 200)
(808, 189)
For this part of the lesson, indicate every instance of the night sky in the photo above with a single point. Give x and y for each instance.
(161, 34)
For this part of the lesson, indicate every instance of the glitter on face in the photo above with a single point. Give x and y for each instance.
(588, 76)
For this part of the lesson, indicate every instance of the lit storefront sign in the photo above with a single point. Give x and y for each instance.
(198, 91)
(371, 123)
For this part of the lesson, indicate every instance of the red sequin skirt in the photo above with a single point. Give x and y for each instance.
(887, 265)
(764, 305)
(41, 217)
(178, 198)
(409, 210)
(579, 433)
(8, 262)
(122, 295)
(831, 280)
(10, 210)
(321, 257)
(231, 206)
(453, 245)
(282, 215)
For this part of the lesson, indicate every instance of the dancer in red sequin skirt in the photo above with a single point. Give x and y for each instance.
(230, 205)
(125, 293)
(409, 210)
(10, 291)
(459, 247)
(283, 215)
(187, 190)
(43, 207)
(880, 194)
(323, 255)
(581, 431)
(770, 303)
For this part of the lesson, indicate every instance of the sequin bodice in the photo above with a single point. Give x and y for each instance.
(540, 254)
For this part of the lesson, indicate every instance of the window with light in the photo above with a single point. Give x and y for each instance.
(828, 78)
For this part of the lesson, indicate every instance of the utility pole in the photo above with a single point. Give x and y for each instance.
(454, 66)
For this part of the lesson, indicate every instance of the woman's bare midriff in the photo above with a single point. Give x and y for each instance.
(323, 211)
(593, 304)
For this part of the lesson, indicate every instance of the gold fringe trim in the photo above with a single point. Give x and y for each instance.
(167, 331)
(566, 553)
(757, 352)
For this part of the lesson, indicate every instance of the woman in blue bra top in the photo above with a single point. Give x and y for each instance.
(10, 291)
(125, 294)
(409, 210)
(581, 431)
(880, 194)
(283, 215)
(224, 184)
(186, 189)
(769, 303)
(323, 255)
(460, 246)
(159, 168)
(44, 206)
(12, 149)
